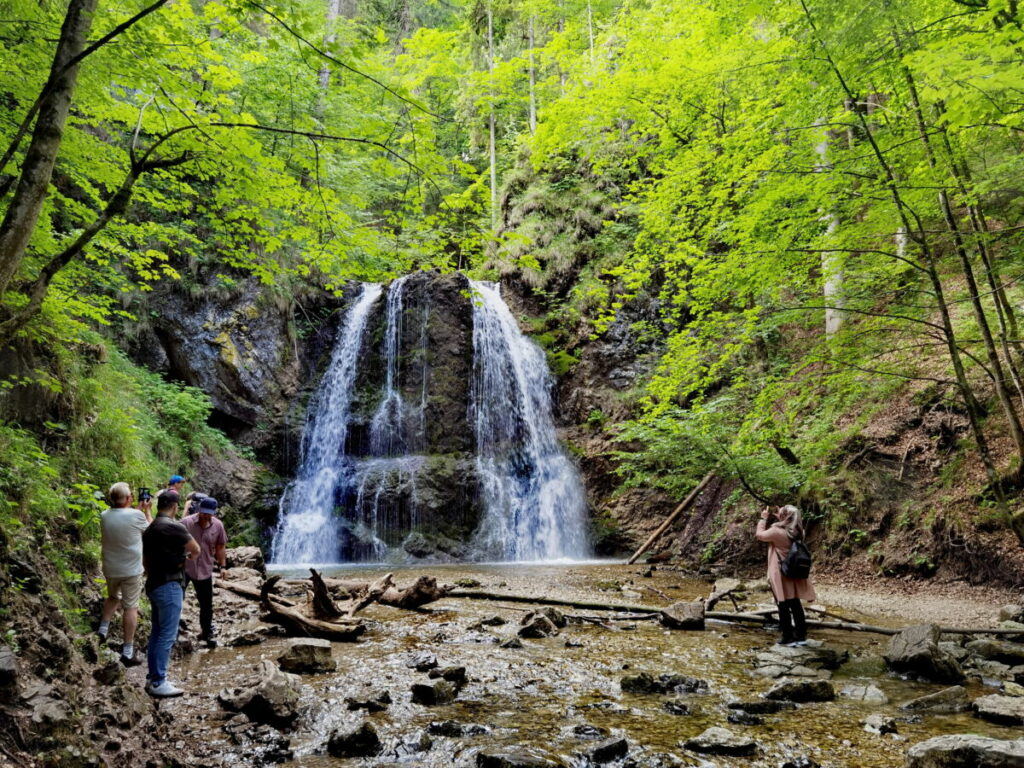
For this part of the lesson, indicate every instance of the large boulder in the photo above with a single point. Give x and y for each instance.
(721, 741)
(946, 701)
(915, 651)
(683, 615)
(998, 650)
(308, 656)
(1012, 613)
(966, 751)
(996, 708)
(247, 557)
(271, 697)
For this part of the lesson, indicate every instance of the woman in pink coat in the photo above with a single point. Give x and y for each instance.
(788, 592)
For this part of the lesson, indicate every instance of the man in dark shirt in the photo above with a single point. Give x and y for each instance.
(166, 545)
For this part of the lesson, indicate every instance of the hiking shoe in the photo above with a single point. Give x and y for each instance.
(163, 691)
(211, 643)
(131, 661)
(801, 643)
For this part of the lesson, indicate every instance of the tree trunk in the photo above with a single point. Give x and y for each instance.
(590, 29)
(491, 144)
(27, 203)
(333, 10)
(831, 270)
(533, 81)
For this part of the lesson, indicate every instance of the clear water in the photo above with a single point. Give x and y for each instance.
(533, 498)
(308, 530)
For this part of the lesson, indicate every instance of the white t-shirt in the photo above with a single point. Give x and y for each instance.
(122, 529)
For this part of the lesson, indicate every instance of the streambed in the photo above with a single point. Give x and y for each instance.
(534, 696)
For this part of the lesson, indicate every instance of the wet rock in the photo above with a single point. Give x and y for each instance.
(721, 741)
(454, 729)
(554, 615)
(742, 717)
(800, 762)
(915, 651)
(1012, 689)
(512, 642)
(955, 650)
(947, 701)
(247, 557)
(782, 661)
(801, 691)
(375, 702)
(998, 650)
(996, 708)
(573, 644)
(423, 662)
(966, 751)
(869, 694)
(880, 724)
(989, 671)
(763, 707)
(434, 694)
(308, 656)
(272, 697)
(537, 625)
(517, 757)
(608, 751)
(415, 744)
(587, 731)
(676, 707)
(454, 675)
(246, 639)
(683, 615)
(645, 683)
(1012, 613)
(361, 741)
(493, 621)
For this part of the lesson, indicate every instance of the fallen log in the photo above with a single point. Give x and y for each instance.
(251, 592)
(686, 503)
(299, 624)
(421, 592)
(372, 594)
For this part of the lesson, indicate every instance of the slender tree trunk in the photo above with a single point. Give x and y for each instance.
(27, 202)
(980, 316)
(533, 81)
(333, 10)
(831, 270)
(492, 144)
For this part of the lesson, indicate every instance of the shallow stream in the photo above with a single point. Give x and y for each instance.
(535, 695)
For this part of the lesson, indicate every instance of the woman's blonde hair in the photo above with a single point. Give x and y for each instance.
(792, 521)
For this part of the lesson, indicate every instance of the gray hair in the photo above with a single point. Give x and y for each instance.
(119, 493)
(792, 521)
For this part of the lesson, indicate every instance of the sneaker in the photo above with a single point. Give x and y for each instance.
(801, 643)
(102, 636)
(131, 661)
(163, 691)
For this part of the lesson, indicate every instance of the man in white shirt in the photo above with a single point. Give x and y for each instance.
(122, 526)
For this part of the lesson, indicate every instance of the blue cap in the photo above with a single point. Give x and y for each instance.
(208, 506)
(176, 479)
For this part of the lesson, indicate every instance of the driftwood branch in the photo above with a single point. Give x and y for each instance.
(321, 604)
(299, 624)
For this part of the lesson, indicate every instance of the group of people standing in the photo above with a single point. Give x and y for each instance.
(161, 556)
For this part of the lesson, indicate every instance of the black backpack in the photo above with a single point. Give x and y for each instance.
(797, 564)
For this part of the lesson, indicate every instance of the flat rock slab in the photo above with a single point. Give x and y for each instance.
(782, 661)
(517, 757)
(307, 656)
(721, 741)
(996, 708)
(683, 616)
(966, 751)
(801, 691)
(947, 701)
(869, 694)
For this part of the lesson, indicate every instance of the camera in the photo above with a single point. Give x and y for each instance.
(144, 494)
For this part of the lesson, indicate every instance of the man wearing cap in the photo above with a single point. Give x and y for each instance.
(166, 545)
(121, 528)
(208, 530)
(174, 484)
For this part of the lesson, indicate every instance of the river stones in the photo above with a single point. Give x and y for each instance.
(433, 694)
(998, 650)
(879, 724)
(1012, 613)
(360, 741)
(869, 694)
(947, 701)
(915, 651)
(423, 662)
(676, 707)
(742, 717)
(271, 697)
(512, 642)
(783, 661)
(517, 757)
(966, 751)
(454, 675)
(377, 701)
(801, 691)
(762, 707)
(721, 741)
(687, 615)
(996, 708)
(1011, 688)
(536, 625)
(308, 656)
(645, 683)
(607, 751)
(454, 729)
(588, 731)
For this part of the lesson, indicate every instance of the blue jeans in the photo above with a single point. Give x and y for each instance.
(166, 602)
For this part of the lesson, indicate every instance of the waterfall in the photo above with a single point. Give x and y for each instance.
(532, 495)
(308, 530)
(387, 428)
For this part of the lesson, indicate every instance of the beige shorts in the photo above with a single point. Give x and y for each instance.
(127, 590)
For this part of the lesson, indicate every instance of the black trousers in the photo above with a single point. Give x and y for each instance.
(792, 620)
(204, 594)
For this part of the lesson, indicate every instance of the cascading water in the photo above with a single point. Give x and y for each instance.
(532, 495)
(308, 530)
